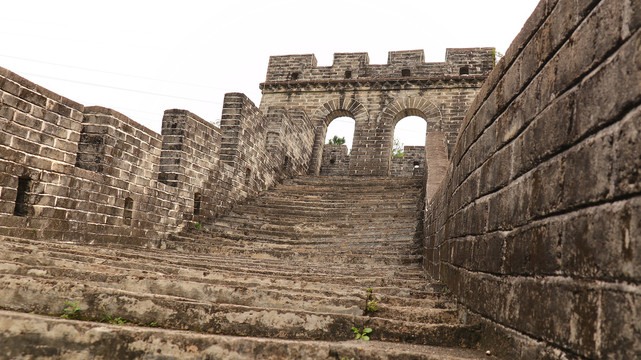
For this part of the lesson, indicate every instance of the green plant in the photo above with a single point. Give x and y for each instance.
(336, 140)
(153, 324)
(111, 319)
(371, 304)
(71, 310)
(496, 56)
(198, 226)
(398, 150)
(362, 335)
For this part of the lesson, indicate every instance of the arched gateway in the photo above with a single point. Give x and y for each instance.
(377, 97)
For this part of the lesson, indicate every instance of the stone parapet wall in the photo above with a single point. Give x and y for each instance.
(335, 160)
(376, 106)
(412, 163)
(75, 173)
(400, 64)
(537, 225)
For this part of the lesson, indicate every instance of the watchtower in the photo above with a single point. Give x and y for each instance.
(377, 97)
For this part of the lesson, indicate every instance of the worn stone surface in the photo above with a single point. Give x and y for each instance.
(292, 264)
(534, 226)
(533, 194)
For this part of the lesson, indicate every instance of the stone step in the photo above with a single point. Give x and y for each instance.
(328, 256)
(48, 296)
(353, 181)
(235, 270)
(344, 222)
(174, 263)
(158, 257)
(329, 198)
(290, 266)
(210, 235)
(243, 290)
(49, 337)
(233, 291)
(227, 229)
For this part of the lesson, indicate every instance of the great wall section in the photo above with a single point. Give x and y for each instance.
(515, 233)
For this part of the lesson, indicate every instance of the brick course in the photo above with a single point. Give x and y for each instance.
(535, 226)
(86, 166)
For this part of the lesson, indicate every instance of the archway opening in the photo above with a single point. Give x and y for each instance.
(338, 145)
(408, 148)
(341, 128)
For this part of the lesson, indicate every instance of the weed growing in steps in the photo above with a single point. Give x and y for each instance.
(371, 304)
(362, 335)
(71, 310)
(112, 319)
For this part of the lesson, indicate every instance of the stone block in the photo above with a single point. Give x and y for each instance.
(588, 171)
(547, 187)
(597, 104)
(594, 39)
(627, 155)
(534, 250)
(602, 242)
(620, 325)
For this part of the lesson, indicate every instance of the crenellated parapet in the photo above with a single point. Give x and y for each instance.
(75, 173)
(376, 97)
(460, 64)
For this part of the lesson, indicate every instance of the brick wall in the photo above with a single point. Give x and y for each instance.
(537, 225)
(376, 97)
(335, 160)
(75, 173)
(411, 164)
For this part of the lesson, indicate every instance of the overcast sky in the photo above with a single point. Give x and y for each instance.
(142, 57)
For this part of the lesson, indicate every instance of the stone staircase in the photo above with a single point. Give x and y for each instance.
(284, 276)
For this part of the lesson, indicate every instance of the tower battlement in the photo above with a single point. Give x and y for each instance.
(400, 64)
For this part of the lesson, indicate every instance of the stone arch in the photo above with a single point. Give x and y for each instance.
(422, 107)
(402, 107)
(340, 107)
(324, 115)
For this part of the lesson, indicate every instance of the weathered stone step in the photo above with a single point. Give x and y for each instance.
(214, 237)
(329, 256)
(235, 238)
(317, 230)
(271, 219)
(226, 230)
(306, 214)
(329, 198)
(223, 289)
(355, 191)
(55, 338)
(48, 297)
(170, 263)
(188, 265)
(384, 206)
(353, 181)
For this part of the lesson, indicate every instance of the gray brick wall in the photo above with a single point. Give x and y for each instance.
(376, 97)
(536, 226)
(70, 172)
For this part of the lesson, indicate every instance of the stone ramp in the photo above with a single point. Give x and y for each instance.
(234, 291)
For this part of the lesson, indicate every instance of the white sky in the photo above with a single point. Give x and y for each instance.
(141, 57)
